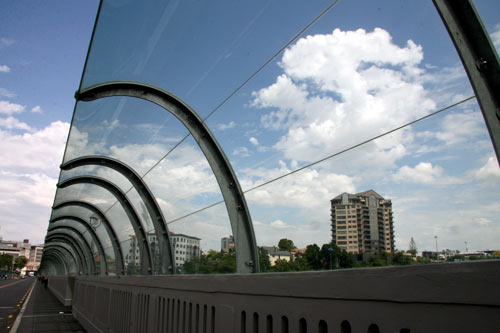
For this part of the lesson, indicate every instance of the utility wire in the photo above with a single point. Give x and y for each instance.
(330, 156)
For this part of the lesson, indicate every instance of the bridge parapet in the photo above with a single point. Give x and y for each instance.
(455, 297)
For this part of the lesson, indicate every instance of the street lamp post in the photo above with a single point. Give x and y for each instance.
(437, 255)
(331, 251)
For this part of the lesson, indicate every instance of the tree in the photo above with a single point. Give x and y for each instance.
(6, 261)
(313, 257)
(412, 247)
(398, 258)
(286, 245)
(264, 263)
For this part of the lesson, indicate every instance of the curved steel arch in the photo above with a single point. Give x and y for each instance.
(80, 256)
(247, 259)
(53, 253)
(59, 246)
(115, 243)
(83, 241)
(142, 241)
(52, 266)
(92, 234)
(161, 229)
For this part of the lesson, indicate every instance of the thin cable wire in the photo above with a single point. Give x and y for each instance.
(330, 156)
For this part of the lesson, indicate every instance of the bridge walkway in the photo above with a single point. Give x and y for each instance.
(45, 313)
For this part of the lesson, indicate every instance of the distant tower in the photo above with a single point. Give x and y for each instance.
(362, 223)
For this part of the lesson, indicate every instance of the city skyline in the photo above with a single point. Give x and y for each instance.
(333, 88)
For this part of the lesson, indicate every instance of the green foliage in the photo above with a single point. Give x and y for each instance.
(264, 263)
(286, 245)
(6, 261)
(211, 263)
(399, 258)
(20, 262)
(312, 256)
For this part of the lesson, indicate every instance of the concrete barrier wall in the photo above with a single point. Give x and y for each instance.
(458, 297)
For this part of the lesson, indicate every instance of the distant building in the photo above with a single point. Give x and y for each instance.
(23, 249)
(227, 244)
(278, 255)
(362, 222)
(185, 248)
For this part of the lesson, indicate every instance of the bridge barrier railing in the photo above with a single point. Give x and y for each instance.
(456, 297)
(62, 288)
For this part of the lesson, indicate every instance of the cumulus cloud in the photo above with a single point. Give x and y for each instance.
(223, 127)
(13, 123)
(36, 109)
(40, 150)
(495, 37)
(422, 173)
(8, 108)
(241, 151)
(6, 93)
(29, 164)
(6, 41)
(489, 171)
(4, 69)
(341, 88)
(254, 141)
(310, 189)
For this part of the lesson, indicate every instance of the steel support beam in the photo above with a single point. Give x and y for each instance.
(140, 233)
(86, 246)
(247, 259)
(115, 242)
(161, 229)
(87, 266)
(479, 58)
(92, 233)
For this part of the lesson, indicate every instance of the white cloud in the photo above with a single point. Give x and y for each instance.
(310, 189)
(6, 41)
(5, 93)
(241, 151)
(39, 151)
(342, 88)
(13, 123)
(278, 224)
(490, 171)
(4, 69)
(254, 141)
(223, 127)
(10, 108)
(36, 109)
(422, 173)
(495, 37)
(29, 165)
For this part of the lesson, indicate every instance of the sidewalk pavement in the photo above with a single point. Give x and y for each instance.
(44, 313)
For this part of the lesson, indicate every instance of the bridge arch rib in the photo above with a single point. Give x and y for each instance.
(53, 229)
(140, 233)
(160, 225)
(247, 259)
(52, 255)
(86, 263)
(91, 232)
(63, 249)
(115, 243)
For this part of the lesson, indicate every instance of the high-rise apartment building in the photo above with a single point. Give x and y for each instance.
(362, 222)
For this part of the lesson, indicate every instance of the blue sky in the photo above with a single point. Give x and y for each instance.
(362, 69)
